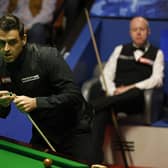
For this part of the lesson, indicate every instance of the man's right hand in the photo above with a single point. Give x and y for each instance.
(6, 98)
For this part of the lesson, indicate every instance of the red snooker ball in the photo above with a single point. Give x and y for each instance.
(47, 162)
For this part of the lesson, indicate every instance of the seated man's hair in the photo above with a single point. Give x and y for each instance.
(10, 22)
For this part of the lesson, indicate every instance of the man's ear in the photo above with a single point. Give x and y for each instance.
(149, 31)
(24, 40)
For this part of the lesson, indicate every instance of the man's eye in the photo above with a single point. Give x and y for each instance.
(12, 42)
(2, 43)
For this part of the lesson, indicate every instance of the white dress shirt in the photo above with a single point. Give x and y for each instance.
(155, 80)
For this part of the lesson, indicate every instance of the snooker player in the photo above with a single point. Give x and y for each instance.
(43, 87)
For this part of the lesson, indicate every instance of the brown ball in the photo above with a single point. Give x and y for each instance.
(47, 162)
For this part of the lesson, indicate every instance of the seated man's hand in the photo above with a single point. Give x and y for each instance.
(122, 89)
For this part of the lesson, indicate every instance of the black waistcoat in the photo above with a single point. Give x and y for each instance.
(129, 70)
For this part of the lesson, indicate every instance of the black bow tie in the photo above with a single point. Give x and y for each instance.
(140, 48)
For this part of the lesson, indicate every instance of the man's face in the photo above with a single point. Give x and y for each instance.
(11, 44)
(139, 31)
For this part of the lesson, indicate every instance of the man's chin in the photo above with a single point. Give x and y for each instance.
(8, 60)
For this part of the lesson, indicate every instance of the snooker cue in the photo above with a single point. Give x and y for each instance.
(96, 49)
(40, 132)
(37, 128)
(116, 125)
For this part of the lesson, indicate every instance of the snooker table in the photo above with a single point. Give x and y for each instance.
(15, 155)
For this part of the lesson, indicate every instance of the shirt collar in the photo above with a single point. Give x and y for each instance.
(143, 48)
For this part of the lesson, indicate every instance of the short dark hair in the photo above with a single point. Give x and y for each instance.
(10, 22)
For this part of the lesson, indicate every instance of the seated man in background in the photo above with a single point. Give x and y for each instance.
(134, 66)
(131, 69)
(36, 16)
(40, 83)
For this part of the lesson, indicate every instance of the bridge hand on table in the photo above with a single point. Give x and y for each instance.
(6, 98)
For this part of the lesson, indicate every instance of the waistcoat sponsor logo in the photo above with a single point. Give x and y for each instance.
(146, 61)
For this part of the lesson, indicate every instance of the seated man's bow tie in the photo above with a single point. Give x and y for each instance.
(140, 48)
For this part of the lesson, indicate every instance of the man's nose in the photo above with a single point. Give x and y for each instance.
(139, 31)
(6, 48)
